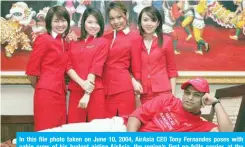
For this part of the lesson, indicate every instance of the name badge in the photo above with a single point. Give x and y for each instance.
(90, 46)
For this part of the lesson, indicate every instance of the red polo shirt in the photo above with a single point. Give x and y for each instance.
(168, 115)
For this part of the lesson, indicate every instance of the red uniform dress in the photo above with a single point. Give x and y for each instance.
(158, 66)
(123, 58)
(48, 61)
(87, 56)
(168, 115)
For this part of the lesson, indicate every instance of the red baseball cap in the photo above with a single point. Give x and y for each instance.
(199, 83)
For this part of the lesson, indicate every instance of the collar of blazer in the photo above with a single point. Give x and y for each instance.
(55, 35)
(124, 31)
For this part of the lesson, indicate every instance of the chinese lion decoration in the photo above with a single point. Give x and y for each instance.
(227, 18)
(38, 27)
(12, 28)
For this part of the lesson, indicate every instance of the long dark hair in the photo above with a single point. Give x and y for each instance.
(155, 15)
(98, 16)
(60, 12)
(117, 5)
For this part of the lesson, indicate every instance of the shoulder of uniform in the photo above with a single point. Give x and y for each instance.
(102, 40)
(108, 33)
(43, 38)
(135, 35)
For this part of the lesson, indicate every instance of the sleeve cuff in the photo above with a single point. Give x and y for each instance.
(173, 74)
(138, 115)
(68, 68)
(137, 76)
(97, 70)
(33, 73)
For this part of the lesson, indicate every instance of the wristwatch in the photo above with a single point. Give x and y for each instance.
(214, 103)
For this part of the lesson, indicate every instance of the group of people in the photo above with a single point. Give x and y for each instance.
(164, 113)
(108, 73)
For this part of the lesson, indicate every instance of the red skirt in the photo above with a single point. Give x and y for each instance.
(94, 110)
(151, 95)
(120, 104)
(49, 109)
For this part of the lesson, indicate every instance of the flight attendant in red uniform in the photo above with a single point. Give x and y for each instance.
(86, 60)
(158, 74)
(46, 70)
(122, 67)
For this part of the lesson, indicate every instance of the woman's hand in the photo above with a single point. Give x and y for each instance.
(137, 100)
(72, 36)
(83, 103)
(137, 87)
(88, 86)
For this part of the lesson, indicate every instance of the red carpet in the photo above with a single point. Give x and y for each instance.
(224, 55)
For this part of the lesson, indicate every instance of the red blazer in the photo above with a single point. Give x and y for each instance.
(124, 57)
(87, 57)
(158, 66)
(48, 61)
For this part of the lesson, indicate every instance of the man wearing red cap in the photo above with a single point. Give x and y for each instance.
(170, 114)
(163, 114)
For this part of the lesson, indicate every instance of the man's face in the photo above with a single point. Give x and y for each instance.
(192, 100)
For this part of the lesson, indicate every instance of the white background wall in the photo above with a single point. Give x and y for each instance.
(18, 99)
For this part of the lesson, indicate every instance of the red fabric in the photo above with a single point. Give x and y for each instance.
(158, 66)
(88, 57)
(150, 94)
(49, 109)
(48, 61)
(95, 109)
(199, 83)
(122, 103)
(166, 114)
(123, 57)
